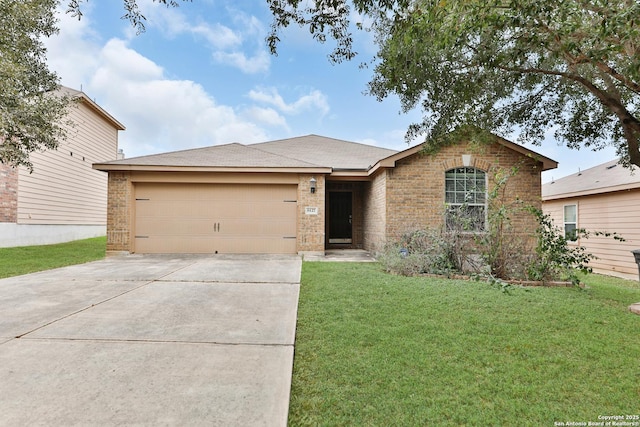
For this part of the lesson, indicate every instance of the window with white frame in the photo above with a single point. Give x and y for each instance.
(571, 222)
(466, 199)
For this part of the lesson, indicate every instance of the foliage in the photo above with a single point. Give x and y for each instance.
(525, 65)
(499, 252)
(375, 349)
(29, 259)
(496, 251)
(131, 11)
(31, 115)
(425, 251)
(555, 258)
(505, 250)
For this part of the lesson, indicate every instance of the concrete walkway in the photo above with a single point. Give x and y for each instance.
(150, 340)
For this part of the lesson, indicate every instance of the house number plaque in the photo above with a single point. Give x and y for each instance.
(311, 210)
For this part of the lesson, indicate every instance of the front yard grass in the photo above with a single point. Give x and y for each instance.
(373, 349)
(29, 259)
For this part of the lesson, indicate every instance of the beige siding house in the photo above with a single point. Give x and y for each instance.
(301, 195)
(603, 198)
(64, 198)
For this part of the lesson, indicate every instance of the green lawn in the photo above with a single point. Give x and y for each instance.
(29, 259)
(374, 349)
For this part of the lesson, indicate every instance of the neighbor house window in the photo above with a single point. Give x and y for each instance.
(571, 222)
(466, 199)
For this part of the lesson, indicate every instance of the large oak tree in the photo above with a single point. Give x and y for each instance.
(498, 65)
(31, 111)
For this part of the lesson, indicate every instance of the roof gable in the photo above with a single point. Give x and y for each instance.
(82, 97)
(547, 163)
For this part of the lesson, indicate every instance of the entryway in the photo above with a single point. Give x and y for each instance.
(340, 217)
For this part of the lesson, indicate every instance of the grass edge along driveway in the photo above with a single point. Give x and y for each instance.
(30, 259)
(376, 349)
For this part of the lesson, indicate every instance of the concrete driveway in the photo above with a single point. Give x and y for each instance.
(150, 340)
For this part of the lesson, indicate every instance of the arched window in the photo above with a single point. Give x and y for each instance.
(466, 199)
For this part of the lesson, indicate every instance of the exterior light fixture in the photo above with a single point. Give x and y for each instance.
(312, 184)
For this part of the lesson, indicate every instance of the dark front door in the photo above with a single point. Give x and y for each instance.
(340, 217)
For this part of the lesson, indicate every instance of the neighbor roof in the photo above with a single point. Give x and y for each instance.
(604, 178)
(83, 97)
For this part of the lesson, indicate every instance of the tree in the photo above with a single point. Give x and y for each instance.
(497, 65)
(31, 112)
(490, 65)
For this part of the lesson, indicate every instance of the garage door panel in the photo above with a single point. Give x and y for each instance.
(210, 218)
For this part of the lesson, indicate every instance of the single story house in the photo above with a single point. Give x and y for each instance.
(302, 195)
(603, 198)
(64, 198)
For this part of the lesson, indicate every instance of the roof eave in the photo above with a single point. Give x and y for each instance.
(83, 97)
(592, 192)
(107, 167)
(339, 173)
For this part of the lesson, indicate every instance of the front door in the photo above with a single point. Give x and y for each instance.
(340, 217)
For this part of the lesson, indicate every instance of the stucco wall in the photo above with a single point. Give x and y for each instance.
(415, 188)
(13, 235)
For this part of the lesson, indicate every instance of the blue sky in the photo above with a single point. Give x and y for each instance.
(202, 75)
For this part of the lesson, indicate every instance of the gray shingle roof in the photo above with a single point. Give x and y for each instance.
(603, 178)
(329, 152)
(303, 152)
(228, 155)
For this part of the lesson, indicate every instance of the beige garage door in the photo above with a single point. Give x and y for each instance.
(215, 218)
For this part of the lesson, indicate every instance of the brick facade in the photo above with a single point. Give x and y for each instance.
(375, 212)
(311, 227)
(8, 194)
(119, 214)
(414, 190)
(390, 203)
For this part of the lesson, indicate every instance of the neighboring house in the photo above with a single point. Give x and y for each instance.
(64, 198)
(302, 195)
(603, 198)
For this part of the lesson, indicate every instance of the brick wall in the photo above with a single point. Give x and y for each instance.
(8, 194)
(415, 187)
(375, 213)
(119, 212)
(311, 227)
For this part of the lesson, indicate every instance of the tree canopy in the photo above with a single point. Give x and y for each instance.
(571, 67)
(497, 65)
(31, 112)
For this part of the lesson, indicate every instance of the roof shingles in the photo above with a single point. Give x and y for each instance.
(606, 177)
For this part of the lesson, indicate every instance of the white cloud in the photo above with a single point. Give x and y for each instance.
(268, 116)
(259, 63)
(167, 114)
(313, 101)
(229, 46)
(160, 113)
